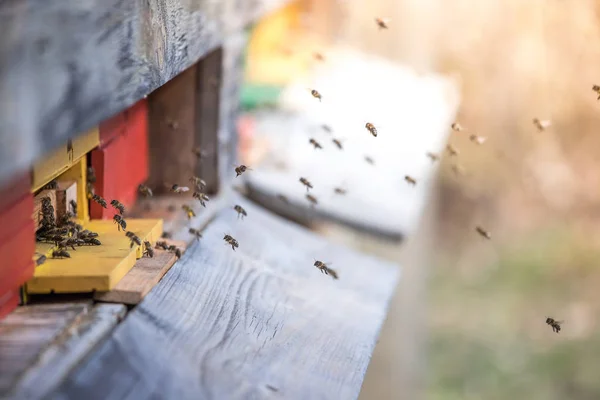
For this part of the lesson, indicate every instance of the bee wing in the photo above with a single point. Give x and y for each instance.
(184, 188)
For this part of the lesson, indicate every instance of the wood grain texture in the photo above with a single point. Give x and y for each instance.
(232, 325)
(67, 66)
(144, 275)
(65, 353)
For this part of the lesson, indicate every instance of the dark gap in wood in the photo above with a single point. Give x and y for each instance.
(58, 298)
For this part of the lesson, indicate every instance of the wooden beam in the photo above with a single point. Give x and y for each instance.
(261, 321)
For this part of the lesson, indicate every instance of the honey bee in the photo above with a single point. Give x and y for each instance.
(198, 182)
(433, 156)
(596, 89)
(382, 23)
(73, 205)
(326, 128)
(121, 224)
(92, 241)
(324, 268)
(371, 128)
(456, 127)
(542, 125)
(316, 144)
(231, 241)
(60, 253)
(318, 56)
(196, 233)
(316, 94)
(148, 250)
(201, 154)
(52, 185)
(174, 249)
(312, 199)
(145, 190)
(179, 189)
(40, 260)
(134, 239)
(453, 151)
(283, 198)
(338, 143)
(201, 197)
(483, 232)
(70, 242)
(99, 200)
(241, 169)
(477, 139)
(240, 210)
(188, 211)
(339, 190)
(166, 235)
(162, 245)
(118, 206)
(554, 324)
(369, 160)
(306, 183)
(411, 181)
(91, 179)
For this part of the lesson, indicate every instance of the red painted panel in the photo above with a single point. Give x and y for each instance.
(14, 189)
(15, 216)
(8, 302)
(122, 164)
(16, 254)
(112, 128)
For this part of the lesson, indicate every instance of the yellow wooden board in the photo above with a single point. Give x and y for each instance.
(94, 268)
(61, 160)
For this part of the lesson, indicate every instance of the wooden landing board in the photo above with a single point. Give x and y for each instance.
(144, 275)
(260, 322)
(93, 268)
(42, 343)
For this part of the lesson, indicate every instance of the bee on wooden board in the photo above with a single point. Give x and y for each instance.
(99, 200)
(118, 206)
(240, 210)
(174, 249)
(453, 151)
(340, 191)
(306, 183)
(411, 181)
(477, 139)
(483, 232)
(240, 169)
(456, 127)
(371, 128)
(70, 242)
(179, 189)
(382, 23)
(231, 241)
(316, 94)
(188, 211)
(315, 144)
(541, 125)
(554, 324)
(121, 224)
(324, 268)
(433, 156)
(148, 250)
(312, 199)
(201, 197)
(60, 253)
(145, 190)
(41, 259)
(369, 160)
(134, 239)
(196, 233)
(198, 183)
(161, 244)
(338, 143)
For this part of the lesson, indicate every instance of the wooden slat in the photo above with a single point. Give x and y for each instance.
(255, 323)
(144, 275)
(70, 348)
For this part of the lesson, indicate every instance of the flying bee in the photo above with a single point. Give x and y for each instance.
(456, 127)
(40, 260)
(369, 160)
(231, 241)
(338, 143)
(324, 268)
(433, 156)
(306, 183)
(312, 199)
(453, 151)
(161, 244)
(60, 253)
(316, 94)
(339, 190)
(596, 89)
(283, 198)
(477, 139)
(240, 210)
(411, 181)
(316, 144)
(382, 23)
(196, 233)
(483, 232)
(118, 206)
(188, 211)
(99, 200)
(326, 128)
(145, 190)
(554, 324)
(318, 56)
(121, 224)
(227, 238)
(198, 182)
(148, 250)
(134, 239)
(201, 197)
(179, 189)
(371, 128)
(240, 169)
(542, 125)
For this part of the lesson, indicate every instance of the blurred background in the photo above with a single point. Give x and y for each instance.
(468, 319)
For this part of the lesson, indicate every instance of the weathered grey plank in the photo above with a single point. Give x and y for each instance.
(68, 351)
(260, 322)
(65, 66)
